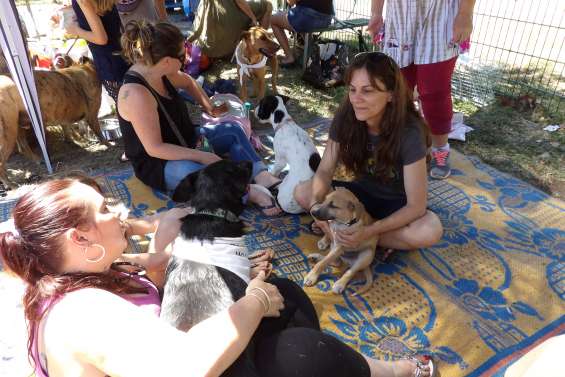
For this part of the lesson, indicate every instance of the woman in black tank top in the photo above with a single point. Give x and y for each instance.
(159, 157)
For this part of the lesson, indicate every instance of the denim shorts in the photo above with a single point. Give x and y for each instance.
(304, 19)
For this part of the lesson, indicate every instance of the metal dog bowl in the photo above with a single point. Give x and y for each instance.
(110, 129)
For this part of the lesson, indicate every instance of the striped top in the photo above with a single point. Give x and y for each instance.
(420, 31)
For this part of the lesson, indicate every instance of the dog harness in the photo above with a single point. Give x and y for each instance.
(244, 67)
(226, 252)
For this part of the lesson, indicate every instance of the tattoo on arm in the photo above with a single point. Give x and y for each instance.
(125, 95)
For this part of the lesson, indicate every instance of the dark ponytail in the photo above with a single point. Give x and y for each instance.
(143, 42)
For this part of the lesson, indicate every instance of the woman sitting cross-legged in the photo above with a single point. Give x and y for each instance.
(88, 317)
(379, 136)
(155, 150)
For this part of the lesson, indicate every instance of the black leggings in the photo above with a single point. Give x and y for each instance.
(293, 344)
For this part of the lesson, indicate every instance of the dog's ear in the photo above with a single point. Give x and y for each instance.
(284, 98)
(84, 60)
(186, 188)
(358, 209)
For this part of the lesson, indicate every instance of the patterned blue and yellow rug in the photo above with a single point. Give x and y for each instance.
(492, 289)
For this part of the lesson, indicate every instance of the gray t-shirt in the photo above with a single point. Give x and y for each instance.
(412, 149)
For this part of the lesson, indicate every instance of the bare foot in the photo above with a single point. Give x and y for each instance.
(266, 179)
(399, 368)
(263, 199)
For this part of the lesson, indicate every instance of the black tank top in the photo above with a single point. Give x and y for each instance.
(151, 170)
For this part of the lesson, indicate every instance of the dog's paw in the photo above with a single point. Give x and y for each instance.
(338, 287)
(315, 257)
(310, 279)
(323, 243)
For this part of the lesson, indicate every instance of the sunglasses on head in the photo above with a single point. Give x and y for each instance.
(376, 57)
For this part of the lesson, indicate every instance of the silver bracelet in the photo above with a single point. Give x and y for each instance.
(266, 296)
(253, 294)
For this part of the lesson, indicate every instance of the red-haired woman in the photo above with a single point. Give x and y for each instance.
(86, 317)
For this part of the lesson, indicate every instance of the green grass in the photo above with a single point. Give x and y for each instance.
(515, 142)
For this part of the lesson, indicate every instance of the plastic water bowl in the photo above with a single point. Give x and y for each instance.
(110, 129)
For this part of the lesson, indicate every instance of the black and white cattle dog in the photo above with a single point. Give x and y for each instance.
(209, 268)
(292, 146)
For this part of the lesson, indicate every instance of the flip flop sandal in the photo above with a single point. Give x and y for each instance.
(273, 204)
(274, 188)
(421, 363)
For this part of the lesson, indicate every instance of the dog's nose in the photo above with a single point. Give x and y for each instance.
(319, 212)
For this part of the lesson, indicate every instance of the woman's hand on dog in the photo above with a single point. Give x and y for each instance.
(168, 228)
(273, 300)
(218, 111)
(207, 158)
(352, 238)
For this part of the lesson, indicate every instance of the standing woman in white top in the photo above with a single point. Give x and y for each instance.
(424, 37)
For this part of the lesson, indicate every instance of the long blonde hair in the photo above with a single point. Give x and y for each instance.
(102, 6)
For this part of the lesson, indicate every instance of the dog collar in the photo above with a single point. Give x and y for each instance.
(220, 213)
(351, 222)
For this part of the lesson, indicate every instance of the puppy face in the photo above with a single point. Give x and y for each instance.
(272, 109)
(219, 185)
(340, 205)
(259, 41)
(62, 61)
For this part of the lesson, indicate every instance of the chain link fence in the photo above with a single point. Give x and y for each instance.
(517, 49)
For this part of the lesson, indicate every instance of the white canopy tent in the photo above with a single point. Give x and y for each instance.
(13, 46)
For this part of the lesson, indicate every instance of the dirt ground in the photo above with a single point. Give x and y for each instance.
(509, 139)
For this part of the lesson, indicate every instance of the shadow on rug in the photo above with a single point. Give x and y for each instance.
(493, 288)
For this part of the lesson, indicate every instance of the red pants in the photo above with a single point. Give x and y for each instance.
(434, 88)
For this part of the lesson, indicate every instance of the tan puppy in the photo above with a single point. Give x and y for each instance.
(343, 210)
(254, 52)
(12, 110)
(69, 95)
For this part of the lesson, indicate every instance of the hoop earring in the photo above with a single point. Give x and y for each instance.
(97, 259)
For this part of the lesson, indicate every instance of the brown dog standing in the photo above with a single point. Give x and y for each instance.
(12, 110)
(255, 51)
(343, 210)
(69, 95)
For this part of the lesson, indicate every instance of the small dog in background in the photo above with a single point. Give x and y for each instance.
(254, 52)
(292, 146)
(343, 210)
(12, 115)
(69, 95)
(61, 61)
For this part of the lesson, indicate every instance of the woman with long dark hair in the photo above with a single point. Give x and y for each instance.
(381, 139)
